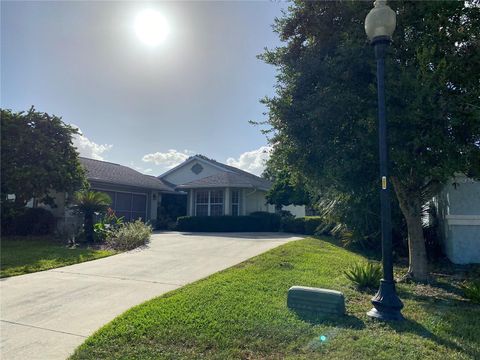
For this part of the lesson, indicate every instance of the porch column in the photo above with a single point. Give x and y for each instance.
(191, 204)
(227, 206)
(243, 203)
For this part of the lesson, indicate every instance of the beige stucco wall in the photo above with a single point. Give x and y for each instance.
(59, 209)
(64, 216)
(255, 201)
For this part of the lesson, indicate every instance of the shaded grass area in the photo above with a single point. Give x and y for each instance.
(241, 313)
(22, 255)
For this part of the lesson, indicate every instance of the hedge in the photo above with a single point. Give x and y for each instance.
(259, 221)
(28, 221)
(307, 225)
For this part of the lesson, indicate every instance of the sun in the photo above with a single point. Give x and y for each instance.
(151, 27)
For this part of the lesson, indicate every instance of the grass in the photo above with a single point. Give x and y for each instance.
(241, 313)
(22, 255)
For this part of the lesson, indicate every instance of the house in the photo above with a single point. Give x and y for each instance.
(458, 213)
(205, 186)
(134, 195)
(215, 189)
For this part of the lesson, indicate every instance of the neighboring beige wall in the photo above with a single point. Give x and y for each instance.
(256, 201)
(295, 210)
(185, 175)
(251, 201)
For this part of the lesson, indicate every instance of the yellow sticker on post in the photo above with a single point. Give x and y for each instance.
(384, 182)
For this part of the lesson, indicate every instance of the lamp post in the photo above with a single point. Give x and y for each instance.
(379, 26)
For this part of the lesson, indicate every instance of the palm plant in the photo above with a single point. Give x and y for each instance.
(88, 203)
(364, 275)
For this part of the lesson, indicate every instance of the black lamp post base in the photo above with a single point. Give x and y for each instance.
(386, 303)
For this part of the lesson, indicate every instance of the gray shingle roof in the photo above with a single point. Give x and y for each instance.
(233, 177)
(112, 173)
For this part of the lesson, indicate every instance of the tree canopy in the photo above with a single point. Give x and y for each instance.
(37, 156)
(288, 189)
(323, 120)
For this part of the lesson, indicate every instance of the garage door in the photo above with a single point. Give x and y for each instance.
(131, 206)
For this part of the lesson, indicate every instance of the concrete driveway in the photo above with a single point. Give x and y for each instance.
(46, 315)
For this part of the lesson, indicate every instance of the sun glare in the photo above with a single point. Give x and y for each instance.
(151, 27)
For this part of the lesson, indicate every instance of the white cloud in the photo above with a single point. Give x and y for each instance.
(141, 169)
(88, 148)
(168, 159)
(252, 161)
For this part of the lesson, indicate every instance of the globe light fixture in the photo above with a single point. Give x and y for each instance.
(380, 22)
(379, 25)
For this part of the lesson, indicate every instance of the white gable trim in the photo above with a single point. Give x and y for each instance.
(188, 161)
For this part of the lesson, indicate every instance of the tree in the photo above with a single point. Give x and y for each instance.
(323, 117)
(287, 189)
(88, 203)
(37, 157)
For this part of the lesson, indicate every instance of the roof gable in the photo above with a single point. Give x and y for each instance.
(222, 175)
(190, 160)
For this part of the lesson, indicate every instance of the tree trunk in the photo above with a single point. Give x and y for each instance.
(88, 227)
(412, 211)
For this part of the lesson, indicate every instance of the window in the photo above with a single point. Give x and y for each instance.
(209, 203)
(129, 205)
(202, 203)
(235, 202)
(197, 169)
(216, 202)
(111, 194)
(139, 204)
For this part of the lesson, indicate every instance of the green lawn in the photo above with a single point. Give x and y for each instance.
(241, 313)
(22, 255)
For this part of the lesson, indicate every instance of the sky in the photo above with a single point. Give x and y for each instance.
(147, 107)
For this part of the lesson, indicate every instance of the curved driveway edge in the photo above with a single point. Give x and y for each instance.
(46, 315)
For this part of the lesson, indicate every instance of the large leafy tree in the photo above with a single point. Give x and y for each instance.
(38, 156)
(323, 117)
(288, 189)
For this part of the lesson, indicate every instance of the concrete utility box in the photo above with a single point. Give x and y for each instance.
(320, 301)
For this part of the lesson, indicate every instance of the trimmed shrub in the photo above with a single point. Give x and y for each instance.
(228, 223)
(271, 221)
(129, 235)
(9, 213)
(293, 225)
(308, 225)
(365, 276)
(34, 221)
(312, 224)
